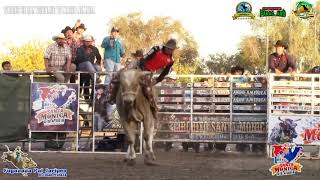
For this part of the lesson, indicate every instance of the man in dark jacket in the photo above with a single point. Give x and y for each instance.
(100, 110)
(280, 61)
(86, 55)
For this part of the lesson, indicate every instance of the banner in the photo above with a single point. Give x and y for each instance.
(54, 107)
(294, 129)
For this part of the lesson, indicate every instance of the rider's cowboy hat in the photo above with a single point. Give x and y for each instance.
(138, 53)
(59, 36)
(171, 44)
(280, 43)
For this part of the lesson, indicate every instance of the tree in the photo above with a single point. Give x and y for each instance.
(299, 33)
(28, 56)
(252, 54)
(139, 34)
(221, 63)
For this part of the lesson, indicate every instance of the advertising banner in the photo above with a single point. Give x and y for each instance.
(54, 107)
(301, 130)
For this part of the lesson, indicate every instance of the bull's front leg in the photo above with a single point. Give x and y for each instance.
(130, 128)
(148, 138)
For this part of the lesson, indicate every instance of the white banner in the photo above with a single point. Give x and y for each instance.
(294, 129)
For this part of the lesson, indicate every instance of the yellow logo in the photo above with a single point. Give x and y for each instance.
(18, 159)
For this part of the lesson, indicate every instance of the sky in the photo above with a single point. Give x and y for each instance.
(209, 21)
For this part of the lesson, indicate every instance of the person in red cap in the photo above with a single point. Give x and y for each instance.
(158, 58)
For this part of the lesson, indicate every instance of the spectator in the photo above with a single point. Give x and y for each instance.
(280, 61)
(100, 109)
(73, 44)
(314, 70)
(237, 70)
(6, 66)
(71, 41)
(86, 56)
(113, 53)
(79, 28)
(58, 58)
(134, 64)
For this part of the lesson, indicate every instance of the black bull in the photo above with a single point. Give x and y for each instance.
(134, 107)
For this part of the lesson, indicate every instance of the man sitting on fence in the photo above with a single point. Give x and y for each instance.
(86, 56)
(280, 61)
(58, 58)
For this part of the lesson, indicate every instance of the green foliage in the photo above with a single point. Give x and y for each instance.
(299, 33)
(27, 57)
(139, 34)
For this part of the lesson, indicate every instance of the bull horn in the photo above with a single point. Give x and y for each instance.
(7, 147)
(280, 119)
(297, 120)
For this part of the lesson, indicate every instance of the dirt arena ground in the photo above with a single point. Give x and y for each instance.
(171, 165)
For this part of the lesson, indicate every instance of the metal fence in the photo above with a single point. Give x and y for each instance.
(216, 108)
(265, 109)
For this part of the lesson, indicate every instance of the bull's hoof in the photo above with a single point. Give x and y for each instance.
(153, 157)
(150, 162)
(131, 162)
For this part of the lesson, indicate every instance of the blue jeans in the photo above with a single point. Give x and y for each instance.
(89, 67)
(111, 67)
(98, 123)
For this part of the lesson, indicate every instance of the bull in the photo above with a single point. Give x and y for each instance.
(285, 132)
(134, 107)
(18, 159)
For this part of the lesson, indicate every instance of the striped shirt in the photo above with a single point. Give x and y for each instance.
(57, 56)
(74, 45)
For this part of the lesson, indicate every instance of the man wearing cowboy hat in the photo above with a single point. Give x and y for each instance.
(113, 52)
(86, 55)
(100, 111)
(79, 28)
(280, 61)
(58, 58)
(133, 64)
(158, 58)
(70, 41)
(73, 44)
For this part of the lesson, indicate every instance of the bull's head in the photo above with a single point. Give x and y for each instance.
(131, 81)
(288, 127)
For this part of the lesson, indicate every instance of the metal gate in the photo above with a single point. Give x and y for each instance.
(216, 108)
